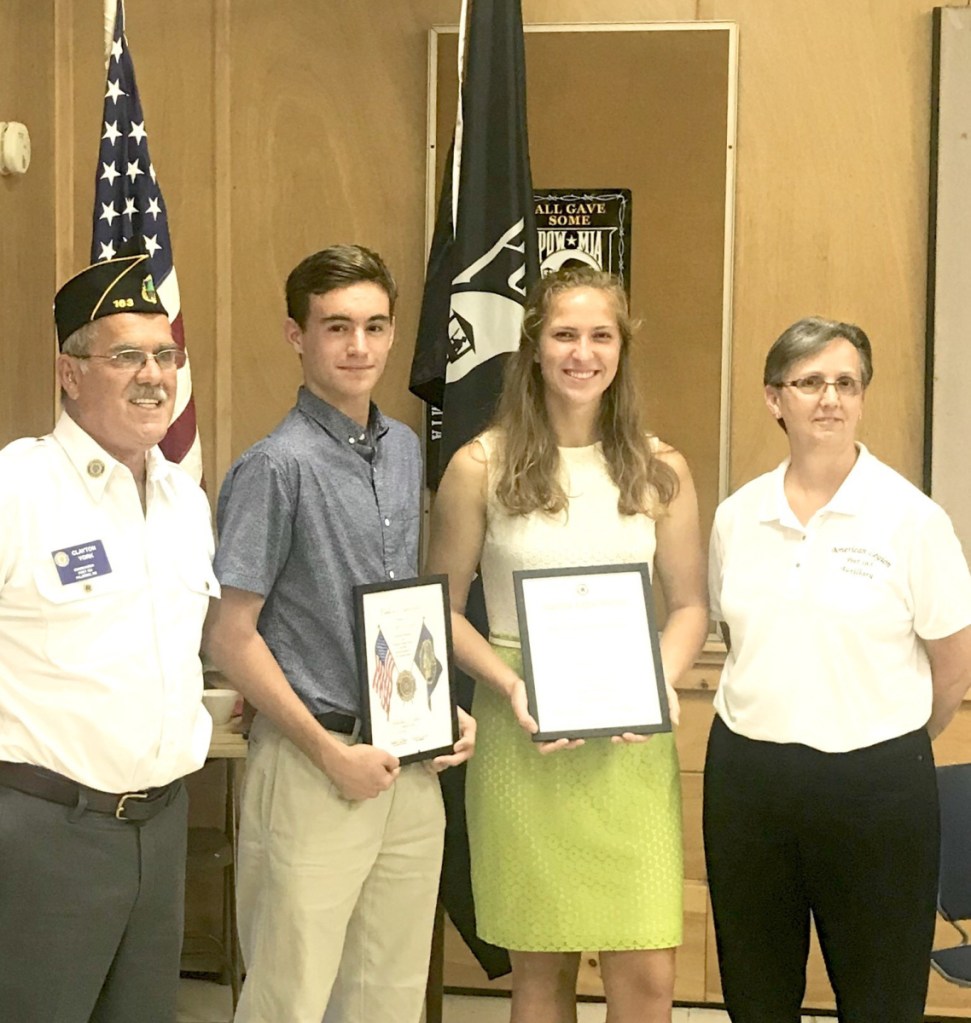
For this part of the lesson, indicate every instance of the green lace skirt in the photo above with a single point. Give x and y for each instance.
(577, 850)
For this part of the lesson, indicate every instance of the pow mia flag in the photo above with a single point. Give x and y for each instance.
(483, 257)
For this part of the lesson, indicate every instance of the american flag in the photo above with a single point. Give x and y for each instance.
(128, 203)
(383, 670)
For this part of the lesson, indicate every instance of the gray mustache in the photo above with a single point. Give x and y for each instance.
(152, 393)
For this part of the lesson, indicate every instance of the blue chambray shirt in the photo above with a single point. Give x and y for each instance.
(315, 508)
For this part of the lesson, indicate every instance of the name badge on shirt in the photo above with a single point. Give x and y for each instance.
(84, 561)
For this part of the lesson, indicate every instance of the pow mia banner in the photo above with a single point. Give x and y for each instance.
(483, 257)
(482, 261)
(589, 227)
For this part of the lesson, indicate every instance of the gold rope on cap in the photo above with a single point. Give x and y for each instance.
(138, 261)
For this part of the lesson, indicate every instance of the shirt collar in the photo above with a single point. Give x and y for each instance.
(342, 428)
(846, 501)
(94, 465)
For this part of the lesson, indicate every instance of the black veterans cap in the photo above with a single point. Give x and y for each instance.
(120, 285)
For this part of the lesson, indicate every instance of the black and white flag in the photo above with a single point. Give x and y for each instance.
(483, 257)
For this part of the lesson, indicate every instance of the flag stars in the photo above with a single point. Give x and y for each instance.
(112, 132)
(116, 49)
(107, 251)
(133, 170)
(137, 132)
(109, 173)
(130, 209)
(152, 244)
(115, 92)
(151, 171)
(108, 212)
(153, 210)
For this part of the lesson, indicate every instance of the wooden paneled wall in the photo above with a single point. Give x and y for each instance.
(27, 271)
(279, 128)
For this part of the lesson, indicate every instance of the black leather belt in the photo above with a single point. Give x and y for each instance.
(343, 724)
(55, 788)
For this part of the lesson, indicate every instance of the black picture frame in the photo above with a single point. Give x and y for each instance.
(640, 649)
(390, 617)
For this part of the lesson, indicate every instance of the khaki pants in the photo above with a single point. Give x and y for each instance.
(336, 899)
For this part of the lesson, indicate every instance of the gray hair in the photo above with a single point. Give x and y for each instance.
(80, 342)
(807, 337)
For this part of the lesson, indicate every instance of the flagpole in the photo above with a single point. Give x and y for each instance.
(110, 9)
(459, 120)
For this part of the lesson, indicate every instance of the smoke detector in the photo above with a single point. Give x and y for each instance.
(14, 147)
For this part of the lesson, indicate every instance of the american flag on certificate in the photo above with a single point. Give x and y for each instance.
(383, 670)
(128, 203)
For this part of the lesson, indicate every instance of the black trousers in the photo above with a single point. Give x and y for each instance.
(90, 913)
(850, 838)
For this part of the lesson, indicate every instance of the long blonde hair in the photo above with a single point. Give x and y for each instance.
(528, 478)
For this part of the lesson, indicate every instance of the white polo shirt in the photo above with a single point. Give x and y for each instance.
(101, 612)
(825, 618)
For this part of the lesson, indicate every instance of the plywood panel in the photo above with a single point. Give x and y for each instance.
(691, 735)
(831, 210)
(953, 745)
(692, 791)
(27, 275)
(949, 318)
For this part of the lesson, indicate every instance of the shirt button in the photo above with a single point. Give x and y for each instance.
(361, 437)
(387, 522)
(350, 440)
(391, 574)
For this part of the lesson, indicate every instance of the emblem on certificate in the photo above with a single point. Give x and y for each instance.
(406, 686)
(404, 643)
(591, 659)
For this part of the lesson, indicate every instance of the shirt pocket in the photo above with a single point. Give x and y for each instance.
(188, 592)
(78, 617)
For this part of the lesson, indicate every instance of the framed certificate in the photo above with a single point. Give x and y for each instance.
(591, 660)
(403, 636)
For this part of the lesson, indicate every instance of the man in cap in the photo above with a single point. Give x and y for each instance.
(340, 846)
(105, 578)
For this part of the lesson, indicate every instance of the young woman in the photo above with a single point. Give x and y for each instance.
(575, 845)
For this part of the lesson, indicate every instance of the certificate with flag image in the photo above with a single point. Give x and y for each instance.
(591, 659)
(404, 653)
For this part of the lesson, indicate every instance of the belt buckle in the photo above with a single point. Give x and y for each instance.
(120, 808)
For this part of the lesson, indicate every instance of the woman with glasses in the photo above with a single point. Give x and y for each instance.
(846, 603)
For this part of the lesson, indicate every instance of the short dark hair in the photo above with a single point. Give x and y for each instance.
(339, 266)
(807, 337)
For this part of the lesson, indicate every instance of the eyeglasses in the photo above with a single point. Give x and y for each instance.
(136, 359)
(845, 386)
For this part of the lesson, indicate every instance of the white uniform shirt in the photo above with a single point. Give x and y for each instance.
(101, 612)
(825, 618)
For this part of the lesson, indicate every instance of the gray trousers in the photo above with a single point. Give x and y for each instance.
(91, 913)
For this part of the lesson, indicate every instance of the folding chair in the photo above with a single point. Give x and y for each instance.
(954, 888)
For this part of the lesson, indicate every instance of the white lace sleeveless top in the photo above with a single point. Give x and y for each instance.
(591, 532)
